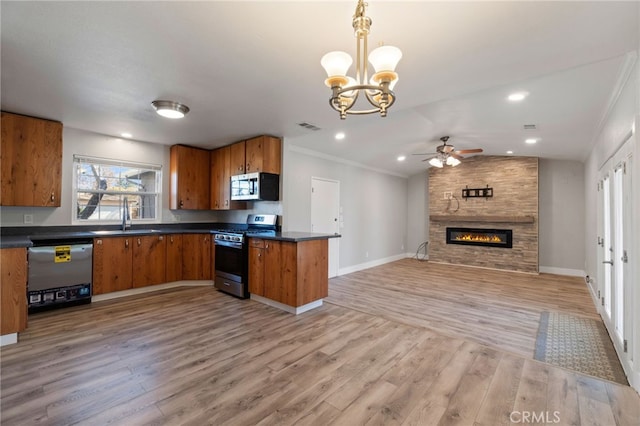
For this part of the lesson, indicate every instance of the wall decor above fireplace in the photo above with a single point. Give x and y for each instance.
(477, 192)
(480, 237)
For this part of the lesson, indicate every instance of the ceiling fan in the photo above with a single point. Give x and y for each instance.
(447, 154)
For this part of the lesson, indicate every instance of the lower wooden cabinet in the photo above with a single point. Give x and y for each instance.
(112, 264)
(13, 290)
(149, 258)
(173, 266)
(122, 263)
(196, 257)
(293, 273)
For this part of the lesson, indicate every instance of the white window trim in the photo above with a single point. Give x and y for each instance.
(77, 159)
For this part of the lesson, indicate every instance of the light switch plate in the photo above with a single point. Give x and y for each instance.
(28, 218)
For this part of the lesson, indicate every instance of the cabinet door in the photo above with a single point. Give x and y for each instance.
(174, 257)
(237, 162)
(280, 271)
(31, 161)
(220, 182)
(196, 257)
(149, 256)
(263, 154)
(13, 290)
(190, 179)
(256, 268)
(112, 261)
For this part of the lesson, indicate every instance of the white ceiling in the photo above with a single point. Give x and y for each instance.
(250, 68)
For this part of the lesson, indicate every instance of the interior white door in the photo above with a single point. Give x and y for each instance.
(325, 216)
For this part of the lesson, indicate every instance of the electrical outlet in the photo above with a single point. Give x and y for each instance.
(28, 218)
(447, 195)
(176, 218)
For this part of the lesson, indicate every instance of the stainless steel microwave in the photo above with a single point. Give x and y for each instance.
(255, 186)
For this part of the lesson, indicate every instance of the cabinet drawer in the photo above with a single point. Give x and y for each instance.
(256, 242)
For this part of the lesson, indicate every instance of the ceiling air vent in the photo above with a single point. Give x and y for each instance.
(530, 127)
(309, 126)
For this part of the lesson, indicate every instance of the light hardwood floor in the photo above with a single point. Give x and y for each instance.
(197, 356)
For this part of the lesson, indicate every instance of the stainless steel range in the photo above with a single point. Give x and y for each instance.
(232, 253)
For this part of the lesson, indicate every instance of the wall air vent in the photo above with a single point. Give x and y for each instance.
(530, 127)
(309, 126)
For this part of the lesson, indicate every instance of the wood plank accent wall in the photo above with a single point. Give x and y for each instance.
(515, 194)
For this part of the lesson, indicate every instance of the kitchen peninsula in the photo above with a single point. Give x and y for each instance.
(289, 270)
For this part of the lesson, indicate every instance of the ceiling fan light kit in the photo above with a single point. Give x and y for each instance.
(346, 90)
(447, 154)
(170, 109)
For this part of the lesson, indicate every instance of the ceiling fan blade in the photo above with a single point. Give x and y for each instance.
(456, 156)
(426, 153)
(469, 151)
(447, 148)
(429, 158)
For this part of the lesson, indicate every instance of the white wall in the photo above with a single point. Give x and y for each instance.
(561, 215)
(374, 205)
(92, 144)
(623, 116)
(417, 212)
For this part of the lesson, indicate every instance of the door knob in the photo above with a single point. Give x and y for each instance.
(610, 262)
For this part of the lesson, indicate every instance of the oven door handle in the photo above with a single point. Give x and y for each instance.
(231, 244)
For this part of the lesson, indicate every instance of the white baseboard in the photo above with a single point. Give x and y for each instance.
(291, 309)
(562, 271)
(148, 289)
(371, 264)
(9, 339)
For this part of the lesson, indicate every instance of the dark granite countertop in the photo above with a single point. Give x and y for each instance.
(27, 236)
(296, 236)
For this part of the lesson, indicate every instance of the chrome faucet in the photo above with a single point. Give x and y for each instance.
(125, 214)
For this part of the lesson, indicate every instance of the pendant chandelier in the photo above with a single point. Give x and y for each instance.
(346, 90)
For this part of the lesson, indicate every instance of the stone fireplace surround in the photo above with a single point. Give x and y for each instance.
(514, 205)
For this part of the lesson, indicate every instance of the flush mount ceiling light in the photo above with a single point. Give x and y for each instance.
(339, 136)
(516, 97)
(346, 90)
(170, 109)
(531, 141)
(401, 157)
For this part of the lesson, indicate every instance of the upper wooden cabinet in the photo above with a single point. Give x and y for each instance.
(237, 158)
(263, 154)
(31, 162)
(221, 173)
(189, 169)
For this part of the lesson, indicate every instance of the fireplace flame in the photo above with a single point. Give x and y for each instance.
(480, 238)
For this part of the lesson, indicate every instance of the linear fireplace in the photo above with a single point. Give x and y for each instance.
(480, 237)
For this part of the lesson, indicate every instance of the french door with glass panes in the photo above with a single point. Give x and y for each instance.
(614, 245)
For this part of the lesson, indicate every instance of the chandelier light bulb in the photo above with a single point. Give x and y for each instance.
(451, 161)
(385, 58)
(336, 63)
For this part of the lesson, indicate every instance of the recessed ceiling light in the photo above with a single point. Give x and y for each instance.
(340, 136)
(518, 96)
(401, 158)
(509, 152)
(126, 135)
(531, 141)
(170, 109)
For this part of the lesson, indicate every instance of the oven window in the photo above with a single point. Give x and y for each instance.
(229, 260)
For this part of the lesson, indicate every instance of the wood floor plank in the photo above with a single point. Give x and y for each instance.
(408, 344)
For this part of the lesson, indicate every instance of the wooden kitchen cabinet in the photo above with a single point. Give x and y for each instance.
(263, 154)
(112, 264)
(221, 173)
(292, 273)
(13, 290)
(173, 267)
(237, 158)
(149, 259)
(196, 257)
(256, 266)
(31, 161)
(190, 179)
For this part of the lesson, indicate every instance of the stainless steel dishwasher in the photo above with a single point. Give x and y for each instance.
(60, 273)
